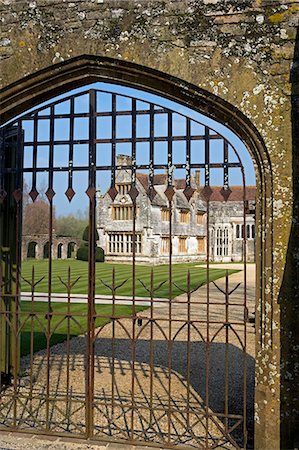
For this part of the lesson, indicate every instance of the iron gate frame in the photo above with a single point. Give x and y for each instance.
(18, 170)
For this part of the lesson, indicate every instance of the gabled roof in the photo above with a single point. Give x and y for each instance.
(160, 179)
(160, 182)
(236, 194)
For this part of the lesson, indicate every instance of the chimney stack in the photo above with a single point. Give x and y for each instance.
(123, 160)
(197, 178)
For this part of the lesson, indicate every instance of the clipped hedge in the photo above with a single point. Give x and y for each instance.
(100, 255)
(82, 253)
(86, 232)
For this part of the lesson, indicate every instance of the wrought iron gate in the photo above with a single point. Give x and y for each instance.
(147, 376)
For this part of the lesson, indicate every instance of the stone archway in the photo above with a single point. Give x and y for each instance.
(79, 71)
(31, 250)
(46, 250)
(71, 249)
(59, 250)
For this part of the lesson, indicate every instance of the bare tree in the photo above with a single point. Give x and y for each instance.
(36, 217)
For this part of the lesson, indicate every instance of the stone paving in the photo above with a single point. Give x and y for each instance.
(18, 441)
(12, 442)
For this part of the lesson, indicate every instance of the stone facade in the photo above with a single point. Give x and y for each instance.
(235, 61)
(228, 225)
(189, 230)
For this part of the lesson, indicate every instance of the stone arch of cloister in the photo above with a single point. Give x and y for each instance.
(41, 241)
(245, 86)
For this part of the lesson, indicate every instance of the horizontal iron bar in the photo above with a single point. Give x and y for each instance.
(124, 140)
(130, 406)
(107, 168)
(149, 319)
(97, 114)
(96, 439)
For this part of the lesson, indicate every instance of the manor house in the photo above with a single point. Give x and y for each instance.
(189, 221)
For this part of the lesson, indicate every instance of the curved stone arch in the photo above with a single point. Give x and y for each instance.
(46, 250)
(59, 250)
(71, 249)
(32, 247)
(76, 72)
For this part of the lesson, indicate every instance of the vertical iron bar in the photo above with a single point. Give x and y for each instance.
(113, 141)
(18, 160)
(113, 348)
(188, 152)
(151, 148)
(91, 261)
(151, 346)
(71, 144)
(207, 359)
(188, 346)
(68, 398)
(225, 165)
(31, 338)
(50, 311)
(170, 184)
(133, 178)
(70, 193)
(35, 143)
(3, 309)
(245, 312)
(226, 353)
(113, 174)
(133, 171)
(207, 156)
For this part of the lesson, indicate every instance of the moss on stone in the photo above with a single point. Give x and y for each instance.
(280, 16)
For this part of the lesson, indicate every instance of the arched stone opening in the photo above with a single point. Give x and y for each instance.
(71, 250)
(83, 70)
(59, 250)
(31, 250)
(46, 249)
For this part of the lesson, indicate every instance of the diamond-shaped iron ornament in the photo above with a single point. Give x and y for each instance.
(50, 194)
(3, 194)
(225, 193)
(91, 192)
(133, 193)
(206, 192)
(188, 192)
(151, 193)
(113, 192)
(33, 194)
(17, 194)
(70, 194)
(169, 193)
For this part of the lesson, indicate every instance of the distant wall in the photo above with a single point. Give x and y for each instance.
(41, 241)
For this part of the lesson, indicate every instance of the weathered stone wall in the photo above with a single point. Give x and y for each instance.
(240, 50)
(42, 239)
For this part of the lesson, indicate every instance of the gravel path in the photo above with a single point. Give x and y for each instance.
(159, 389)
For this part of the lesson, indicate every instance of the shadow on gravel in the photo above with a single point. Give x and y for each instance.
(151, 400)
(218, 377)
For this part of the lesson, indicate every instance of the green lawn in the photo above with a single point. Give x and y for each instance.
(34, 327)
(123, 277)
(59, 323)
